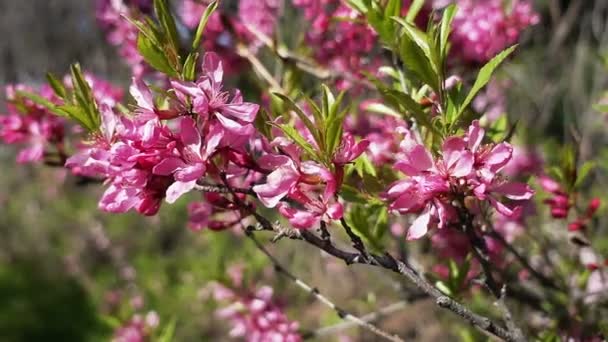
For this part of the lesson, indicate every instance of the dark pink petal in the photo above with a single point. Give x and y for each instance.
(475, 136)
(190, 172)
(188, 88)
(235, 127)
(453, 148)
(515, 190)
(400, 187)
(335, 211)
(212, 66)
(420, 158)
(499, 156)
(464, 165)
(190, 135)
(406, 203)
(512, 213)
(278, 184)
(272, 161)
(214, 138)
(242, 111)
(167, 166)
(108, 122)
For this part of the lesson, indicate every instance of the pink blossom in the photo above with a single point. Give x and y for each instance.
(309, 184)
(212, 102)
(465, 168)
(483, 28)
(190, 162)
(30, 125)
(120, 32)
(255, 316)
(137, 329)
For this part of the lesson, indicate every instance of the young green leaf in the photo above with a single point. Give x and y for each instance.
(57, 85)
(446, 24)
(201, 25)
(300, 113)
(484, 76)
(583, 172)
(189, 70)
(416, 61)
(154, 56)
(39, 100)
(413, 10)
(167, 23)
(295, 136)
(421, 39)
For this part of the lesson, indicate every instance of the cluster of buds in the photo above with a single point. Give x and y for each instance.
(561, 203)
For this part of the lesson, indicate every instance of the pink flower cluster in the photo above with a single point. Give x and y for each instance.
(161, 153)
(31, 125)
(120, 32)
(561, 202)
(255, 316)
(223, 30)
(40, 131)
(437, 188)
(137, 329)
(483, 28)
(344, 45)
(311, 186)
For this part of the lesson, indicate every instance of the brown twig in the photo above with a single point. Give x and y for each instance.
(343, 314)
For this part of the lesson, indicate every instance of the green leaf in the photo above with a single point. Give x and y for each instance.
(446, 24)
(39, 100)
(421, 40)
(189, 71)
(85, 99)
(583, 172)
(201, 25)
(364, 166)
(79, 114)
(168, 332)
(600, 107)
(333, 134)
(167, 23)
(441, 286)
(154, 56)
(415, 60)
(300, 113)
(57, 85)
(484, 76)
(352, 194)
(294, 135)
(382, 109)
(393, 8)
(413, 10)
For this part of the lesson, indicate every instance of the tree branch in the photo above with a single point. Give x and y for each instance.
(343, 314)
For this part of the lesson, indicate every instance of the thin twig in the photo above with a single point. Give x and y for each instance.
(370, 317)
(343, 314)
(523, 261)
(221, 189)
(355, 239)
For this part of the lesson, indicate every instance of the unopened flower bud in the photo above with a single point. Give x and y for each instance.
(576, 226)
(559, 213)
(594, 204)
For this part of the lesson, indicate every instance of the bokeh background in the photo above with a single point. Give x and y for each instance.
(68, 272)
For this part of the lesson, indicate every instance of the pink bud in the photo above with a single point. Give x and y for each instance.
(559, 213)
(594, 204)
(576, 226)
